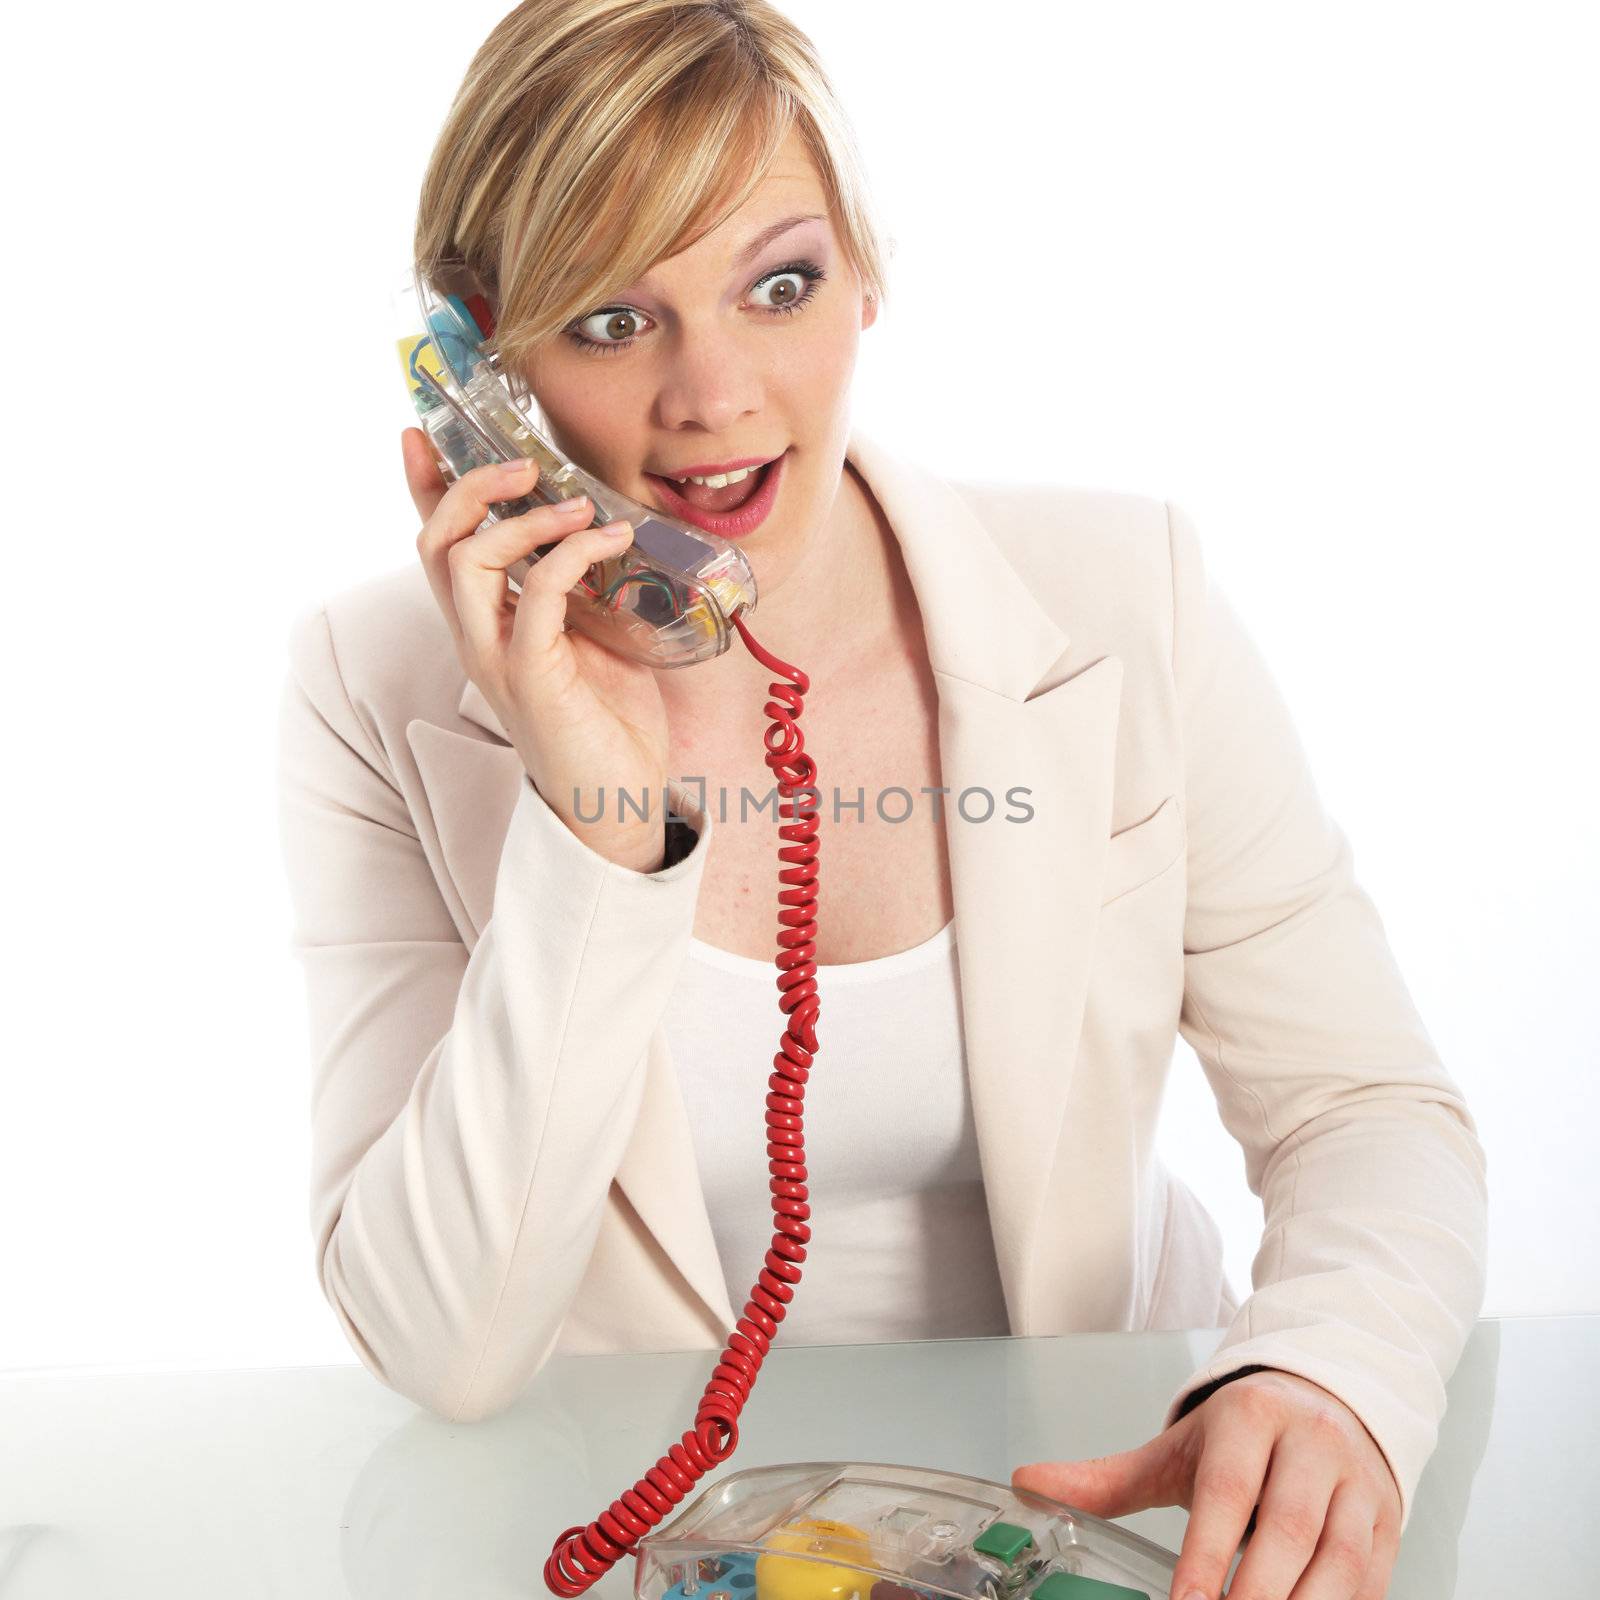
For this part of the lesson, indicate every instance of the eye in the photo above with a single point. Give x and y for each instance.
(614, 328)
(790, 286)
(786, 296)
(609, 329)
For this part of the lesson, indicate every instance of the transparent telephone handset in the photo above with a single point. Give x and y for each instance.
(667, 600)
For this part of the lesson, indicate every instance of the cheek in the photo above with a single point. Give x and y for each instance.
(588, 416)
(828, 359)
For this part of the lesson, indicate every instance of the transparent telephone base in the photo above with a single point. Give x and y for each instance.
(863, 1531)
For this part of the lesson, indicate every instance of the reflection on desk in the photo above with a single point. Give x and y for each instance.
(317, 1482)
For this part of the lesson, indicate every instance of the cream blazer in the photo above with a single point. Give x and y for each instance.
(501, 1162)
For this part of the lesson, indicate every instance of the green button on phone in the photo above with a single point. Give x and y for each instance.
(1070, 1586)
(1005, 1541)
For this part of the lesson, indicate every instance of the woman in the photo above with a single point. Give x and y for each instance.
(517, 995)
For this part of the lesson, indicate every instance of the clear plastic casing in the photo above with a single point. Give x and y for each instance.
(859, 1531)
(669, 599)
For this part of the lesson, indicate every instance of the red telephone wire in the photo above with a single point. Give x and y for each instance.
(584, 1554)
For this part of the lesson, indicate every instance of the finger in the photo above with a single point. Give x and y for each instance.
(1112, 1486)
(1227, 1484)
(478, 566)
(426, 485)
(1385, 1547)
(542, 611)
(1344, 1552)
(423, 477)
(1300, 1482)
(459, 514)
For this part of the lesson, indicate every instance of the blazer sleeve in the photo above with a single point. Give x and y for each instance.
(468, 1111)
(1370, 1272)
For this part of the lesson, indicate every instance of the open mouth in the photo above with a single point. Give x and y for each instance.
(728, 509)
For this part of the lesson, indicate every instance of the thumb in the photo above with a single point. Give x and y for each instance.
(1109, 1486)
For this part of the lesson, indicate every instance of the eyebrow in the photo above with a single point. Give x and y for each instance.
(767, 235)
(762, 239)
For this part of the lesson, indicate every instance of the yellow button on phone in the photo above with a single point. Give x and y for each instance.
(810, 1573)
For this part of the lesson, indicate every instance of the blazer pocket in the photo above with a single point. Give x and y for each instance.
(1143, 851)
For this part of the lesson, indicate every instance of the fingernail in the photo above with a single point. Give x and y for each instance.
(515, 469)
(573, 502)
(1196, 1594)
(616, 530)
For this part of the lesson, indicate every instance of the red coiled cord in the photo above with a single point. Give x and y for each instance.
(583, 1555)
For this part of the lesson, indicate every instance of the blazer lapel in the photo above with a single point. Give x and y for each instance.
(1021, 727)
(1026, 892)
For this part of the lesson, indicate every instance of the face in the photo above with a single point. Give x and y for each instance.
(739, 349)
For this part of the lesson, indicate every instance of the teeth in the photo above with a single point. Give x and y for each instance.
(719, 480)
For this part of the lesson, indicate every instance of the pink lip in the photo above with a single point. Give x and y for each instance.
(709, 471)
(725, 524)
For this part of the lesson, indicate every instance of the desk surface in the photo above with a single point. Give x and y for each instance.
(316, 1482)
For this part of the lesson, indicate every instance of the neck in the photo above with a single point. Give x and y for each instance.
(846, 599)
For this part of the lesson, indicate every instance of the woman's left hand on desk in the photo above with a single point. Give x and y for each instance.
(1328, 1526)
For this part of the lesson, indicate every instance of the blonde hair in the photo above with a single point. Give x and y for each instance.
(593, 138)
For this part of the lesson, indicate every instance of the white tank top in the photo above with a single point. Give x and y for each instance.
(901, 1246)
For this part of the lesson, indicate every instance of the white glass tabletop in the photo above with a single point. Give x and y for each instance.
(317, 1482)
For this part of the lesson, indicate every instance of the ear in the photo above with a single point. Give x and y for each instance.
(869, 310)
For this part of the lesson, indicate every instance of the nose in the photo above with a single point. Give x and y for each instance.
(712, 382)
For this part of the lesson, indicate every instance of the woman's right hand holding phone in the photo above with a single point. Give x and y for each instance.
(589, 724)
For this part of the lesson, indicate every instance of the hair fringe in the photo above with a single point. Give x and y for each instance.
(590, 139)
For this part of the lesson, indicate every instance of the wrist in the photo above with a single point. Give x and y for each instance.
(1205, 1391)
(645, 855)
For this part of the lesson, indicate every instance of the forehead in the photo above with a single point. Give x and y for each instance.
(790, 186)
(792, 169)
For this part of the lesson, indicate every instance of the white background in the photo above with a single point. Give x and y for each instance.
(1324, 276)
